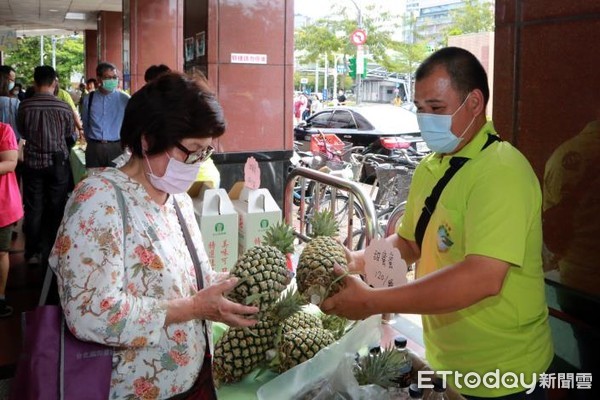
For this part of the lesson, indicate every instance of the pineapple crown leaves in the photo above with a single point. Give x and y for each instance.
(323, 223)
(281, 236)
(381, 369)
(290, 303)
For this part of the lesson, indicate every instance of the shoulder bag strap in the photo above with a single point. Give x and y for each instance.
(456, 163)
(197, 264)
(89, 110)
(49, 272)
(190, 245)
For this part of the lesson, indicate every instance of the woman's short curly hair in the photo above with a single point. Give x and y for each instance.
(169, 109)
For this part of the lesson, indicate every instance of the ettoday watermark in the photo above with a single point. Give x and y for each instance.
(508, 380)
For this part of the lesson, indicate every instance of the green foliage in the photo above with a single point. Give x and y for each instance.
(330, 36)
(69, 57)
(473, 17)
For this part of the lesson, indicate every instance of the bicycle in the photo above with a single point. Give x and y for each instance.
(389, 198)
(312, 196)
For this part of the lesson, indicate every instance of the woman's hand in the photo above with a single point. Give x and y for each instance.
(211, 304)
(352, 301)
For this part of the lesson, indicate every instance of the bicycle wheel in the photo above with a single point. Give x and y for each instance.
(341, 206)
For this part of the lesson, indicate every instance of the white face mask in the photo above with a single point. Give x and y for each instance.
(178, 176)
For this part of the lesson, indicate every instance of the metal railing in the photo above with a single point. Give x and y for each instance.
(353, 189)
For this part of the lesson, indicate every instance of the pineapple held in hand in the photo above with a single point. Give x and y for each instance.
(315, 277)
(263, 270)
(262, 274)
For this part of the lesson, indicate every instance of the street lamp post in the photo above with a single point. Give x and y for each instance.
(358, 54)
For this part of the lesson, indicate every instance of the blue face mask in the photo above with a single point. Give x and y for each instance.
(436, 131)
(11, 85)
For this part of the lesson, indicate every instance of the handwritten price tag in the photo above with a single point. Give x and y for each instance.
(384, 265)
(252, 174)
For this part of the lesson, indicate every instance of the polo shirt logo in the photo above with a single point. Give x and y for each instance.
(444, 241)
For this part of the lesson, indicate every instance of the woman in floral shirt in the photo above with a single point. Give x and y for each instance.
(134, 286)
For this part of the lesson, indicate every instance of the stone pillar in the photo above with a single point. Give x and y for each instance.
(153, 34)
(110, 38)
(246, 51)
(91, 53)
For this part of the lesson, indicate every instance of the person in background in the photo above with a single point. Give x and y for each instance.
(9, 104)
(91, 85)
(66, 97)
(154, 71)
(11, 207)
(86, 88)
(479, 282)
(341, 98)
(137, 290)
(47, 124)
(571, 223)
(18, 91)
(102, 114)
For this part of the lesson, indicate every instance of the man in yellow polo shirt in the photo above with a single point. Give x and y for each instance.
(479, 283)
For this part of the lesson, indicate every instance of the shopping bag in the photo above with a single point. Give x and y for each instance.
(54, 364)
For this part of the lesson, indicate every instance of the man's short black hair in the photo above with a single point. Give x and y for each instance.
(104, 66)
(465, 71)
(44, 75)
(6, 69)
(154, 71)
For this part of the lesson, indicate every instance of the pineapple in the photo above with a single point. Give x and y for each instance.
(263, 276)
(263, 270)
(240, 350)
(336, 325)
(301, 320)
(301, 345)
(315, 277)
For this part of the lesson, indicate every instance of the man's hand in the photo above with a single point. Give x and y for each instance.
(352, 300)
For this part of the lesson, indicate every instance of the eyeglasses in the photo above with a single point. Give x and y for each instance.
(193, 157)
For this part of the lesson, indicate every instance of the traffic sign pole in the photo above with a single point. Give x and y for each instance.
(358, 38)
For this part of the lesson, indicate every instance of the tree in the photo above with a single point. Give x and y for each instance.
(69, 57)
(473, 17)
(330, 36)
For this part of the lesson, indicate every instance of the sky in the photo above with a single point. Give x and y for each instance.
(320, 8)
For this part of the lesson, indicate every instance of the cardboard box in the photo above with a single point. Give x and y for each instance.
(218, 222)
(257, 211)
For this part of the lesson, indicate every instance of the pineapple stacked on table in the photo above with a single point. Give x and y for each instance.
(286, 335)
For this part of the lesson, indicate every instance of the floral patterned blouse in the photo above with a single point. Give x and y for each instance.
(114, 281)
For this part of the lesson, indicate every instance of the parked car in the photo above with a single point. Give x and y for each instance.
(361, 125)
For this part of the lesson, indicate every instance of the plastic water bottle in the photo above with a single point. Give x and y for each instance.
(403, 379)
(439, 391)
(415, 392)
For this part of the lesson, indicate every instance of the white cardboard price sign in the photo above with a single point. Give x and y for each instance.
(384, 265)
(252, 174)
